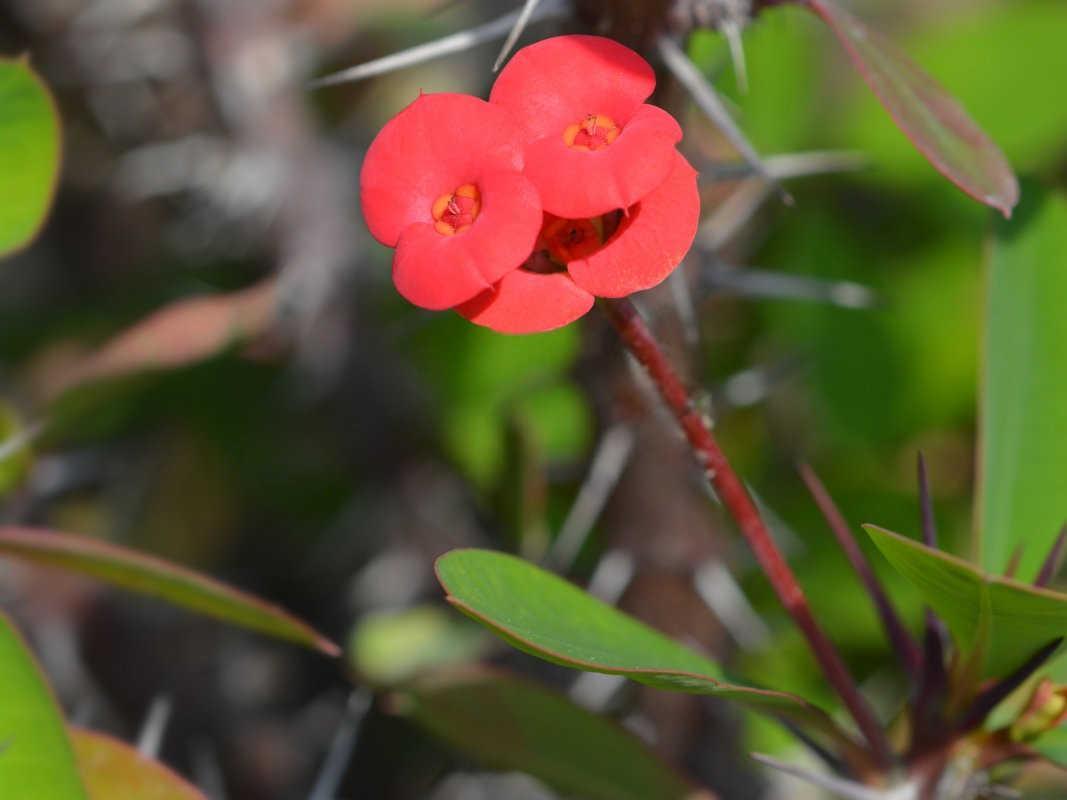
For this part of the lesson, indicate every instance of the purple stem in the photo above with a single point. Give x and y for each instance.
(1053, 560)
(903, 645)
(989, 699)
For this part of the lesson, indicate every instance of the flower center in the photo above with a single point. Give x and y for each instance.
(571, 239)
(456, 211)
(595, 132)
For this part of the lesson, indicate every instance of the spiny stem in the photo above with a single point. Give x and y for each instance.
(641, 343)
(903, 645)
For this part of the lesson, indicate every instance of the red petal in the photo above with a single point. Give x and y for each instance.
(436, 271)
(649, 243)
(528, 302)
(586, 183)
(557, 81)
(436, 144)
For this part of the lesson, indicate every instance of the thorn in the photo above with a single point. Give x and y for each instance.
(595, 690)
(207, 771)
(765, 284)
(792, 165)
(682, 296)
(903, 645)
(516, 32)
(732, 31)
(341, 747)
(752, 386)
(20, 440)
(446, 45)
(1053, 561)
(1013, 562)
(926, 504)
(708, 100)
(154, 726)
(612, 576)
(839, 787)
(831, 760)
(732, 214)
(989, 699)
(610, 459)
(724, 596)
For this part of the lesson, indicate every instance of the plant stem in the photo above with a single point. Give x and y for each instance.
(641, 343)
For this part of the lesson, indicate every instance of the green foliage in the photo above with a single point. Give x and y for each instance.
(1022, 499)
(514, 725)
(1006, 88)
(152, 576)
(782, 61)
(479, 374)
(391, 647)
(930, 117)
(29, 153)
(37, 760)
(113, 770)
(544, 615)
(1000, 620)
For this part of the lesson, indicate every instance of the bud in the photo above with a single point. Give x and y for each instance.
(1046, 709)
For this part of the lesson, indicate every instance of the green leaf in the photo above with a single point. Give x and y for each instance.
(1018, 42)
(1053, 745)
(112, 769)
(391, 647)
(29, 154)
(36, 759)
(511, 724)
(931, 118)
(546, 616)
(152, 576)
(1006, 621)
(1023, 473)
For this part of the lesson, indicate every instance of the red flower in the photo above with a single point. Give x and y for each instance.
(593, 146)
(442, 184)
(611, 255)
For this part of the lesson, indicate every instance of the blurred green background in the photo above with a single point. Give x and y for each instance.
(326, 465)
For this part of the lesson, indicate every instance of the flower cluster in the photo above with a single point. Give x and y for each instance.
(519, 211)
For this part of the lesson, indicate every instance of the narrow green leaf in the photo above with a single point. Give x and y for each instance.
(1007, 620)
(930, 117)
(1022, 497)
(511, 724)
(112, 769)
(544, 615)
(36, 759)
(29, 154)
(152, 576)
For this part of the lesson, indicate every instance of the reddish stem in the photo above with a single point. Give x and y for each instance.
(731, 491)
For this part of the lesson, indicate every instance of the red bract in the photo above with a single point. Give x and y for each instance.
(611, 255)
(592, 144)
(442, 184)
(529, 302)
